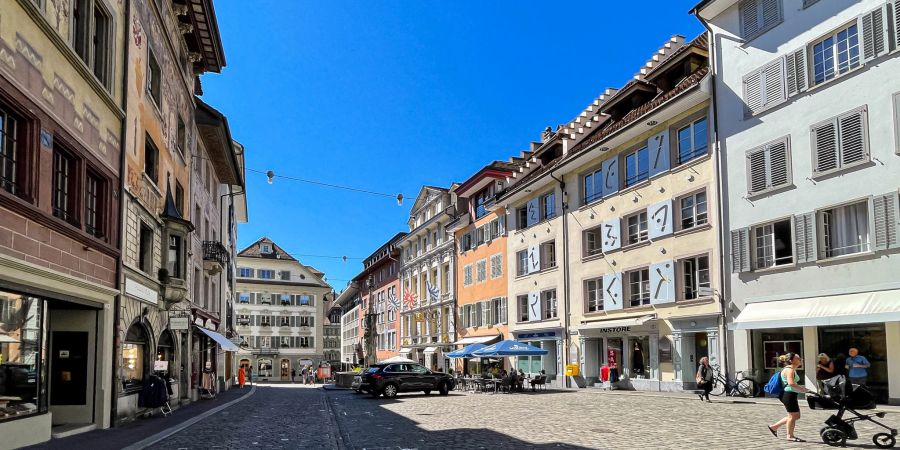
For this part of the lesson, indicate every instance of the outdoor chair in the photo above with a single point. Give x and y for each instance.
(505, 385)
(539, 380)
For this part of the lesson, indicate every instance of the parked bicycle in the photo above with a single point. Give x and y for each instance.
(740, 388)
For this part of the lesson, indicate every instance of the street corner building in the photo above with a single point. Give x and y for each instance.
(61, 112)
(378, 310)
(809, 128)
(280, 309)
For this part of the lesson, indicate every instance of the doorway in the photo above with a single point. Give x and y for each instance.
(285, 370)
(72, 366)
(701, 347)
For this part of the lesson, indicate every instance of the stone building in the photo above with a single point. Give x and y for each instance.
(280, 311)
(379, 289)
(61, 113)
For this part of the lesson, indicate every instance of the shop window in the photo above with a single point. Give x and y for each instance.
(134, 357)
(21, 341)
(264, 368)
(639, 287)
(774, 349)
(640, 357)
(165, 353)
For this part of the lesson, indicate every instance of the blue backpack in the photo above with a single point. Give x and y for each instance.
(774, 386)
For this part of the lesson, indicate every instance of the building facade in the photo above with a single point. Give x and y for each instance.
(427, 318)
(331, 333)
(481, 262)
(379, 287)
(61, 111)
(280, 309)
(808, 105)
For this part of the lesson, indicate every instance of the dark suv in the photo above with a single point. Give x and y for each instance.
(393, 378)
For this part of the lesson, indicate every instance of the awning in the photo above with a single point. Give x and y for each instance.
(223, 341)
(477, 340)
(405, 350)
(863, 307)
(616, 323)
(430, 349)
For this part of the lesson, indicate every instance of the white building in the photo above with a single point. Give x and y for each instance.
(280, 311)
(808, 102)
(350, 332)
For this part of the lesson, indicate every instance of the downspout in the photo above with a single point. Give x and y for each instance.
(114, 393)
(565, 230)
(720, 203)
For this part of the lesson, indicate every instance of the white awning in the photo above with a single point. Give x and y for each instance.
(863, 307)
(223, 341)
(430, 349)
(405, 350)
(612, 325)
(476, 340)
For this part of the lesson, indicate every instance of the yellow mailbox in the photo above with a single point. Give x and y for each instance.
(572, 370)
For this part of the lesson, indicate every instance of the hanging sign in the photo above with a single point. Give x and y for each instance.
(179, 323)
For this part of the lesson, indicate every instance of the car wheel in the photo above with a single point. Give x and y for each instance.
(390, 391)
(427, 391)
(442, 389)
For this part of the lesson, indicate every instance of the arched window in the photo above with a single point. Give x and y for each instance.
(165, 351)
(134, 356)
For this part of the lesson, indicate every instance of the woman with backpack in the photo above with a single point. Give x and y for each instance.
(705, 378)
(789, 378)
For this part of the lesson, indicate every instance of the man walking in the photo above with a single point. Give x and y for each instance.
(857, 367)
(293, 374)
(303, 375)
(250, 375)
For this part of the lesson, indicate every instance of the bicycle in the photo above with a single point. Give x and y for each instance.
(741, 388)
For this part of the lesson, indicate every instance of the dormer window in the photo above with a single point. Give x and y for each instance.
(265, 249)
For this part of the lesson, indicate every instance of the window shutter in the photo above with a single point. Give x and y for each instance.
(740, 250)
(753, 95)
(779, 163)
(824, 144)
(771, 13)
(852, 132)
(659, 219)
(659, 152)
(662, 283)
(749, 12)
(796, 72)
(764, 88)
(504, 314)
(895, 19)
(773, 83)
(612, 291)
(534, 259)
(757, 172)
(886, 210)
(502, 225)
(478, 315)
(805, 237)
(534, 212)
(610, 171)
(874, 33)
(610, 235)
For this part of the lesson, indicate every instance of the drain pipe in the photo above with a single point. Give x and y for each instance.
(565, 230)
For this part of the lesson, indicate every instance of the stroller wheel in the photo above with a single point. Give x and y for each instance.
(833, 437)
(884, 440)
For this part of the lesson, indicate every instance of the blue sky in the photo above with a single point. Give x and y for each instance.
(391, 95)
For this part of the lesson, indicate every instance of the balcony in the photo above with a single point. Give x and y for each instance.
(215, 257)
(244, 322)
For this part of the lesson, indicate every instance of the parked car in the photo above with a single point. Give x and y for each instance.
(393, 378)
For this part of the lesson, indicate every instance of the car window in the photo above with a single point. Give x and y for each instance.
(372, 369)
(394, 368)
(418, 369)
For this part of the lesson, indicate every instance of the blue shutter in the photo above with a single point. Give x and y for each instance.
(659, 152)
(610, 235)
(533, 212)
(659, 219)
(662, 283)
(612, 291)
(610, 173)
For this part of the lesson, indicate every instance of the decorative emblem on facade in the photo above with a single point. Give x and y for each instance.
(409, 299)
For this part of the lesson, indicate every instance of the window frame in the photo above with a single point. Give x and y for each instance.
(639, 177)
(594, 196)
(682, 283)
(643, 232)
(468, 275)
(549, 304)
(96, 56)
(679, 222)
(154, 83)
(522, 263)
(644, 295)
(145, 247)
(481, 270)
(72, 193)
(548, 210)
(835, 54)
(822, 235)
(690, 125)
(754, 248)
(598, 241)
(835, 121)
(766, 149)
(547, 262)
(496, 263)
(598, 290)
(25, 151)
(153, 174)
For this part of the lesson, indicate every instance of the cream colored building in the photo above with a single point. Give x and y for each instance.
(280, 310)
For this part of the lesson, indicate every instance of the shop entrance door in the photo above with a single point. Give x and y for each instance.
(285, 370)
(72, 365)
(68, 382)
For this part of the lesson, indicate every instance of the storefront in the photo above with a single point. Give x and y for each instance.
(869, 322)
(551, 363)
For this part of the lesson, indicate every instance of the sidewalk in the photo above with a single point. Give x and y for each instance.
(140, 429)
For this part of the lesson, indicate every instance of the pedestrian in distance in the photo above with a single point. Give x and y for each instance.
(857, 367)
(824, 370)
(303, 375)
(293, 374)
(789, 379)
(250, 375)
(242, 376)
(705, 379)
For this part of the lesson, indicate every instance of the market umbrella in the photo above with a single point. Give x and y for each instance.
(466, 352)
(509, 348)
(397, 359)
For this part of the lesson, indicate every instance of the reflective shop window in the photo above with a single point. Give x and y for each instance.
(22, 353)
(134, 357)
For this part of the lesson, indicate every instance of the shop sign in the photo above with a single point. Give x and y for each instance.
(614, 330)
(179, 323)
(537, 335)
(160, 366)
(141, 292)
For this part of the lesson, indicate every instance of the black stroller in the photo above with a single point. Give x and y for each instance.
(847, 398)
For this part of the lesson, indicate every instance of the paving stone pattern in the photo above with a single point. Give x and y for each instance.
(291, 417)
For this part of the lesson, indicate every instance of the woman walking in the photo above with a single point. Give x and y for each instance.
(705, 378)
(242, 377)
(789, 379)
(824, 370)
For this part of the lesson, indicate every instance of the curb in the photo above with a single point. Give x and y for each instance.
(150, 440)
(890, 409)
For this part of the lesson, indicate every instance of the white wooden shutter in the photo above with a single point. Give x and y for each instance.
(852, 131)
(740, 250)
(773, 83)
(612, 291)
(795, 63)
(534, 306)
(611, 235)
(779, 162)
(662, 283)
(765, 87)
(824, 146)
(805, 242)
(895, 22)
(887, 216)
(753, 94)
(757, 171)
(659, 219)
(874, 27)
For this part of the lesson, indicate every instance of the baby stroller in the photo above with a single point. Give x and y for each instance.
(847, 398)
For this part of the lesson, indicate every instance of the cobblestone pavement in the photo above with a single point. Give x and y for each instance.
(292, 417)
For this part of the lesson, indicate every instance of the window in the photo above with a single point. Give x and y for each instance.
(305, 342)
(637, 166)
(305, 321)
(481, 199)
(522, 301)
(304, 300)
(265, 249)
(844, 229)
(639, 287)
(181, 137)
(91, 27)
(840, 142)
(695, 273)
(174, 263)
(285, 275)
(22, 320)
(151, 160)
(693, 210)
(94, 205)
(266, 274)
(835, 54)
(522, 263)
(13, 156)
(773, 244)
(245, 272)
(154, 78)
(481, 270)
(548, 255)
(496, 314)
(769, 166)
(548, 206)
(475, 315)
(759, 16)
(593, 241)
(548, 302)
(134, 356)
(244, 297)
(593, 186)
(593, 295)
(64, 182)
(467, 275)
(285, 300)
(692, 141)
(496, 266)
(522, 218)
(637, 227)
